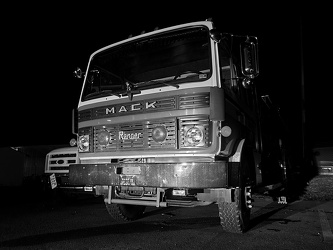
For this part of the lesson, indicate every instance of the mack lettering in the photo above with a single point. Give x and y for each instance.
(130, 108)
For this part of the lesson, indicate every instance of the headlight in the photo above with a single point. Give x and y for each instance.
(194, 136)
(83, 143)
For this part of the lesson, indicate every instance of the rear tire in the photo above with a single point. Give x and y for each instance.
(122, 212)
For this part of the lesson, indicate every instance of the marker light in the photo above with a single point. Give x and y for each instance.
(194, 136)
(73, 142)
(159, 133)
(226, 131)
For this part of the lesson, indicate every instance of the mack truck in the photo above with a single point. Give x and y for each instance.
(174, 117)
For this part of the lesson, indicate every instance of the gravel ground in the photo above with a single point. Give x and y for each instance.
(319, 188)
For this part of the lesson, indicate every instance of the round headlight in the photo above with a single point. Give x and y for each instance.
(194, 135)
(159, 133)
(83, 143)
(103, 137)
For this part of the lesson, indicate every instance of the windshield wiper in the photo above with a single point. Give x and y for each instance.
(170, 83)
(130, 91)
(102, 93)
(164, 82)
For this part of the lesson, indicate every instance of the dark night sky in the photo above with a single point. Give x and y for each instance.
(44, 44)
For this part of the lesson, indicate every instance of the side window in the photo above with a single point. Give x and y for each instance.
(230, 82)
(228, 71)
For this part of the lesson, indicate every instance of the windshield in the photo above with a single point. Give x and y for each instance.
(170, 58)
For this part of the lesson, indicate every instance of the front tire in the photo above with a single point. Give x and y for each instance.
(124, 212)
(235, 215)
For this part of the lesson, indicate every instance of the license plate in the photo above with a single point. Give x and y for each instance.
(127, 180)
(131, 170)
(53, 181)
(88, 189)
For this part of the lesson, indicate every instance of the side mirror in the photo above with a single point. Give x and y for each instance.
(78, 73)
(215, 35)
(249, 57)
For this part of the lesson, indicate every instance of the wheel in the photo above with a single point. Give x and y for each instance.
(122, 212)
(235, 215)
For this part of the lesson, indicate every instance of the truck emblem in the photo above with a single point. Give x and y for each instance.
(129, 136)
(130, 108)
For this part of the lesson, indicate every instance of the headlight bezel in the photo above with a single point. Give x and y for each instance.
(194, 136)
(83, 143)
(194, 132)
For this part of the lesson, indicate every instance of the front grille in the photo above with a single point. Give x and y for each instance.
(139, 135)
(181, 102)
(60, 162)
(136, 135)
(65, 155)
(194, 101)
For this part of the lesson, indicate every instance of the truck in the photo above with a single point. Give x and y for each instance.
(174, 117)
(56, 172)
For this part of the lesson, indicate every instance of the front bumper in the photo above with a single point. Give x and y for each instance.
(163, 175)
(62, 183)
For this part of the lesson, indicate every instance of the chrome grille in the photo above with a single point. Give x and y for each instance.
(185, 101)
(194, 101)
(60, 162)
(136, 135)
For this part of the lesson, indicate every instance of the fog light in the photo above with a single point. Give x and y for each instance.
(103, 137)
(159, 133)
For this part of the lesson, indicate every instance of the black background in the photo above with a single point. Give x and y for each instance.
(43, 44)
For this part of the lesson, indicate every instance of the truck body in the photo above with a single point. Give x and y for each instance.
(173, 118)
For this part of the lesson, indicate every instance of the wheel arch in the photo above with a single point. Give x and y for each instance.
(244, 152)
